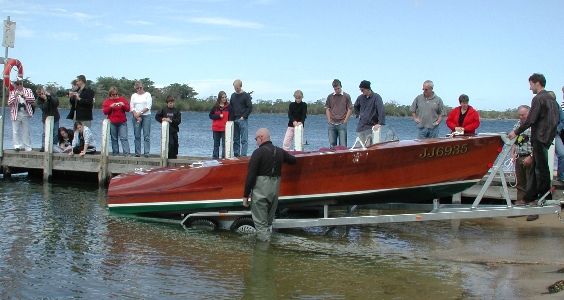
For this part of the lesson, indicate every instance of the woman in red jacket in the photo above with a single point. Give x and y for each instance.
(219, 115)
(115, 107)
(463, 119)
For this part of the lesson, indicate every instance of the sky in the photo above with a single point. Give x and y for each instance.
(485, 49)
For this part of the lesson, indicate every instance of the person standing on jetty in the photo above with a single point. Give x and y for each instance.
(463, 119)
(263, 182)
(171, 115)
(116, 108)
(427, 110)
(140, 104)
(20, 101)
(338, 109)
(369, 108)
(219, 115)
(82, 101)
(241, 106)
(297, 113)
(542, 119)
(49, 105)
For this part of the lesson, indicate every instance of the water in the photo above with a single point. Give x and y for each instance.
(59, 242)
(195, 135)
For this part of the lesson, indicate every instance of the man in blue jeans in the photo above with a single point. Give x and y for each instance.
(427, 110)
(338, 109)
(242, 107)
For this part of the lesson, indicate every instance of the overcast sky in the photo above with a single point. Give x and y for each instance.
(486, 49)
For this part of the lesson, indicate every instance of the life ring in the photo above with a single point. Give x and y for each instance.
(8, 65)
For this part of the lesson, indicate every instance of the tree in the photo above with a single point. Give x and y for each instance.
(180, 91)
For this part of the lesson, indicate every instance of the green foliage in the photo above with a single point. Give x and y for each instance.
(185, 97)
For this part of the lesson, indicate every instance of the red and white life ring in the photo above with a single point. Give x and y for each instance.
(8, 65)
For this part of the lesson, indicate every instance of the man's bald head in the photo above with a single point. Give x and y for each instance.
(262, 135)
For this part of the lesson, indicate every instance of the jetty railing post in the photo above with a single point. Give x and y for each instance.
(228, 139)
(103, 173)
(299, 137)
(164, 143)
(48, 148)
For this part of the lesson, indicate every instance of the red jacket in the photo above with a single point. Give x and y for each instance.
(471, 121)
(218, 123)
(116, 114)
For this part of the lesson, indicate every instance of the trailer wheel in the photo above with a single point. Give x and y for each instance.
(244, 225)
(203, 224)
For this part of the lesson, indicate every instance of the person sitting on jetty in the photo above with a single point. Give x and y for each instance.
(116, 107)
(21, 102)
(463, 119)
(64, 139)
(219, 115)
(297, 113)
(83, 141)
(171, 115)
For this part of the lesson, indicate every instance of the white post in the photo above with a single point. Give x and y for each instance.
(164, 143)
(48, 148)
(299, 137)
(551, 158)
(105, 137)
(376, 135)
(229, 139)
(104, 173)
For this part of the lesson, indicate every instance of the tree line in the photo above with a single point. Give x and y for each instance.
(187, 98)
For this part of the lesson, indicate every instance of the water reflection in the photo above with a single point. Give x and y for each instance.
(59, 241)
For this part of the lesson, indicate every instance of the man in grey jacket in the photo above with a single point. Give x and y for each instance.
(369, 107)
(542, 119)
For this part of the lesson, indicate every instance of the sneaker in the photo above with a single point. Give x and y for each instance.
(17, 149)
(146, 155)
(28, 149)
(532, 217)
(137, 155)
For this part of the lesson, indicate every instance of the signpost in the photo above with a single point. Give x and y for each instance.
(7, 42)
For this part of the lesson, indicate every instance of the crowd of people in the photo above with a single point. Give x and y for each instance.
(539, 125)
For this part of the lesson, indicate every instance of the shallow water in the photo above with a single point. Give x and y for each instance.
(59, 242)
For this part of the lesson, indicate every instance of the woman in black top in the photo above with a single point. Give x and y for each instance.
(296, 116)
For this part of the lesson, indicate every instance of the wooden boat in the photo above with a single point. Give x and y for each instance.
(410, 171)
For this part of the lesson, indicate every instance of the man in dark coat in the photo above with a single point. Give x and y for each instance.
(542, 119)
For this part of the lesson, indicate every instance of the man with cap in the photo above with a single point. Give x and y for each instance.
(428, 110)
(20, 102)
(369, 108)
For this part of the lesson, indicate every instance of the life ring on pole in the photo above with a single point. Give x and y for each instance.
(8, 65)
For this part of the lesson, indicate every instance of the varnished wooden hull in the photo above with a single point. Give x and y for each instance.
(404, 171)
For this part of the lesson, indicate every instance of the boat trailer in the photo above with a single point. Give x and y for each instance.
(241, 221)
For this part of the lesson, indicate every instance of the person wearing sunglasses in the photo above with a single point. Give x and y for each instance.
(115, 107)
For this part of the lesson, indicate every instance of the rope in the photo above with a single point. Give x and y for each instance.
(509, 171)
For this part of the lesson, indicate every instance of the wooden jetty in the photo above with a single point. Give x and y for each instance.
(101, 163)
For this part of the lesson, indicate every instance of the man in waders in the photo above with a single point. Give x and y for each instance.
(263, 182)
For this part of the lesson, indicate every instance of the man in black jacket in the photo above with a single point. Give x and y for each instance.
(241, 107)
(49, 105)
(542, 119)
(82, 101)
(263, 182)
